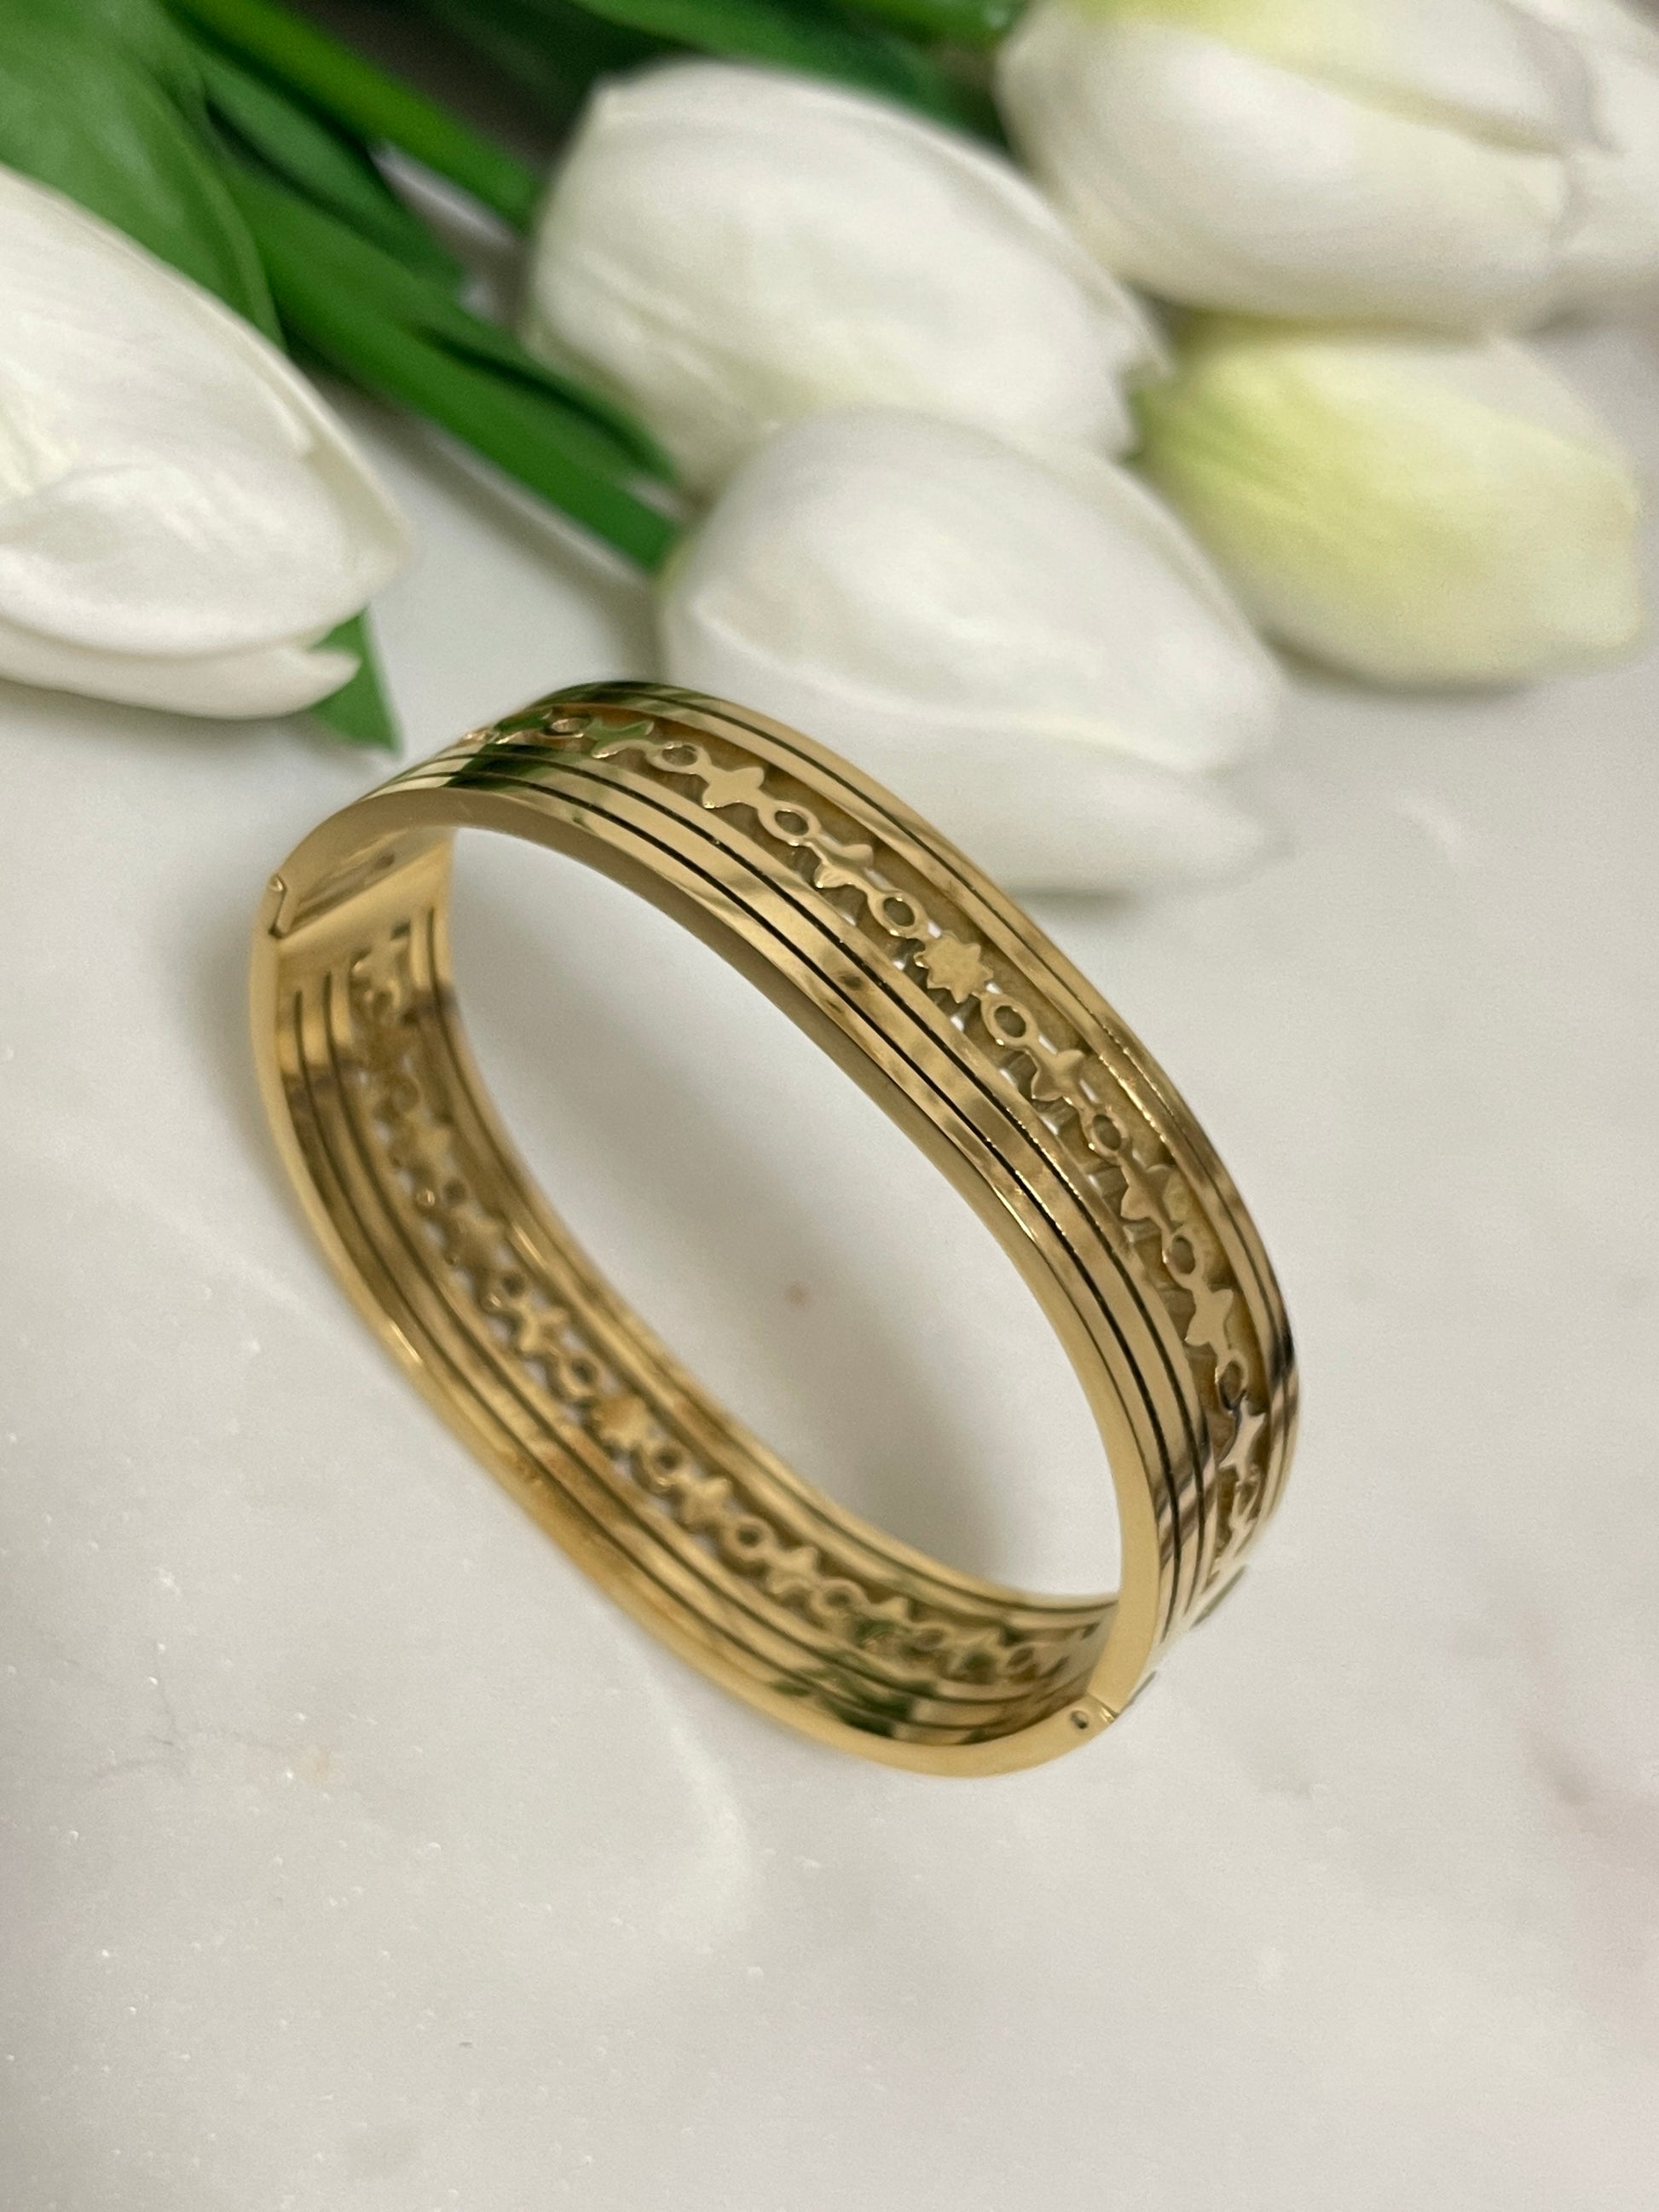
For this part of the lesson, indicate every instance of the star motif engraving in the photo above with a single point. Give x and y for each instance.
(622, 1422)
(579, 1395)
(954, 965)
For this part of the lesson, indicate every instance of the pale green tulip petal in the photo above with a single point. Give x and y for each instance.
(1412, 511)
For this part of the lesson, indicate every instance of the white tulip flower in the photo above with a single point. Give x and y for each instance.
(1040, 663)
(1412, 509)
(734, 248)
(181, 519)
(1465, 164)
(1613, 236)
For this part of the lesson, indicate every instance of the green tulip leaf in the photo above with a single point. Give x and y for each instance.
(358, 711)
(402, 336)
(552, 51)
(815, 37)
(104, 101)
(81, 114)
(287, 49)
(372, 283)
(141, 29)
(955, 22)
(331, 169)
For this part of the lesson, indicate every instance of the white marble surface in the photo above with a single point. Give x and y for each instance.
(356, 1854)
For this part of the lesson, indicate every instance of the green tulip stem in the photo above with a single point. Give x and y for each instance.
(355, 308)
(370, 104)
(958, 22)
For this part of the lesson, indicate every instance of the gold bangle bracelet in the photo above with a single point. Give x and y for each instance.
(953, 1011)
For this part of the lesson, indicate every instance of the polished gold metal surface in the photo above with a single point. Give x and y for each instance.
(949, 1006)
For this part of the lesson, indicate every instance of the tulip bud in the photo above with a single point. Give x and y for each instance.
(1041, 665)
(184, 519)
(734, 248)
(1612, 236)
(1411, 509)
(1469, 164)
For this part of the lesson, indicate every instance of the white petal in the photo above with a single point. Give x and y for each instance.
(734, 248)
(1214, 176)
(1607, 23)
(1037, 814)
(168, 483)
(1470, 63)
(1140, 514)
(1030, 663)
(944, 580)
(1613, 243)
(279, 678)
(187, 551)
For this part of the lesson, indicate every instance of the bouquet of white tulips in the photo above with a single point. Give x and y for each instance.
(871, 397)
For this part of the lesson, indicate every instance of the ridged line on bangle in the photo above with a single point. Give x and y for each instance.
(442, 1333)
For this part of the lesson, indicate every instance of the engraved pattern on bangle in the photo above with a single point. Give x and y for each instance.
(968, 1028)
(1149, 1199)
(565, 1366)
